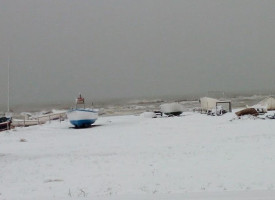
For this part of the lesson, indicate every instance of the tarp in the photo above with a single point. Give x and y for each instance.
(268, 103)
(4, 119)
(247, 111)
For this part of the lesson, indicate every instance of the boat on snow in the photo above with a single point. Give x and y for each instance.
(171, 109)
(5, 123)
(82, 117)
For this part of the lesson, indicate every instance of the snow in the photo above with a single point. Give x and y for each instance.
(148, 115)
(171, 107)
(193, 156)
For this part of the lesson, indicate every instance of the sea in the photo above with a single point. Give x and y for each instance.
(134, 107)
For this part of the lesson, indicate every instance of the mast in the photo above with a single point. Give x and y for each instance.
(8, 84)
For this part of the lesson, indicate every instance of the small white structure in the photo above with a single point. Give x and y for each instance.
(211, 104)
(208, 103)
(268, 104)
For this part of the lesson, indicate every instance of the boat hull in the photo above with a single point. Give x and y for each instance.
(82, 117)
(5, 123)
(82, 123)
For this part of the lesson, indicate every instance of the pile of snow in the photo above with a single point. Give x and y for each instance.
(55, 111)
(266, 104)
(171, 107)
(148, 115)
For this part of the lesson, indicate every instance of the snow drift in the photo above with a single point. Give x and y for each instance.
(171, 108)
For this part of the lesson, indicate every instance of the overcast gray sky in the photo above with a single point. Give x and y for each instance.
(124, 48)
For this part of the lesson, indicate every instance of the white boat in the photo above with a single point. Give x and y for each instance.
(82, 117)
(171, 109)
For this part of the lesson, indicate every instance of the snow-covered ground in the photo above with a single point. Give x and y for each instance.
(131, 157)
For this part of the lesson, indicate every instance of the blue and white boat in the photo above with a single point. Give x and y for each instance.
(82, 117)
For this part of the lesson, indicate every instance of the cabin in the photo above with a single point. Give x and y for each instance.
(209, 104)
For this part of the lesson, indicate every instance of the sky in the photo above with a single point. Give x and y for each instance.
(114, 49)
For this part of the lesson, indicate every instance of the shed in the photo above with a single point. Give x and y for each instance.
(208, 104)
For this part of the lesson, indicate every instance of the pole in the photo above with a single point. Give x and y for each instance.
(8, 84)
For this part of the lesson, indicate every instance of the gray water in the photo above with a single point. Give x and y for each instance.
(135, 107)
(188, 105)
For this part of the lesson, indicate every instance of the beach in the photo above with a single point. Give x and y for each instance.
(192, 156)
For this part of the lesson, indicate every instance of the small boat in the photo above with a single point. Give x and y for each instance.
(5, 123)
(82, 117)
(171, 109)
